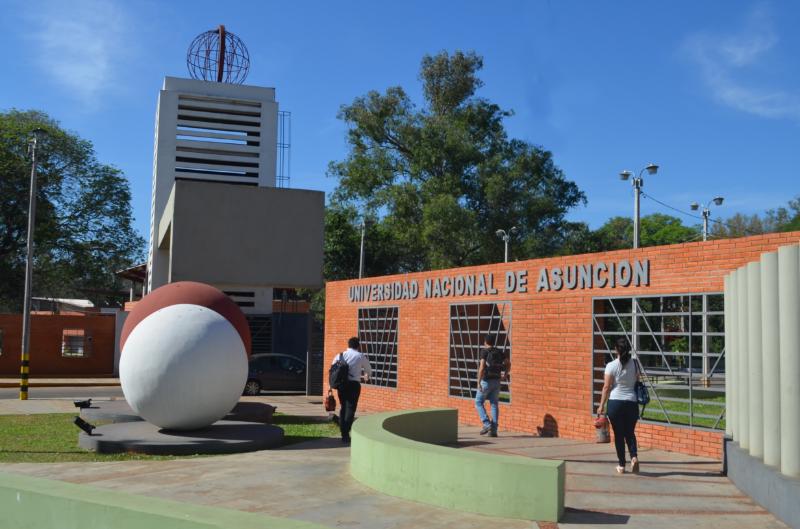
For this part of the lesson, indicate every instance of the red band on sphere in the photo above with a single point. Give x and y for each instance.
(188, 292)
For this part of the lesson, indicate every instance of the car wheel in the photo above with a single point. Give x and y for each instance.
(252, 388)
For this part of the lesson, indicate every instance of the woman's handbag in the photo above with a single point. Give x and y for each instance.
(642, 395)
(330, 402)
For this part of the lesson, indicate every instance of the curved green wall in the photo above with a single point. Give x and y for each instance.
(392, 452)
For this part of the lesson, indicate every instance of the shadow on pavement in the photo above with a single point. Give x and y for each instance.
(314, 444)
(584, 516)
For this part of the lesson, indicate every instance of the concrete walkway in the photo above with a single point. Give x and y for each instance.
(310, 481)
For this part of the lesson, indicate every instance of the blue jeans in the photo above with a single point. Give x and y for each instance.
(623, 415)
(489, 390)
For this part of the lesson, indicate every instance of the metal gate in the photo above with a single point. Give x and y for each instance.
(679, 342)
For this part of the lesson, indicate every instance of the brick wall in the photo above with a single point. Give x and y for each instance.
(45, 345)
(551, 337)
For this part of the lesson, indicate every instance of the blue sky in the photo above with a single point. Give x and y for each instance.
(710, 91)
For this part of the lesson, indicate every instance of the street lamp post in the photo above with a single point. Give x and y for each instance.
(361, 255)
(506, 236)
(706, 213)
(638, 183)
(26, 309)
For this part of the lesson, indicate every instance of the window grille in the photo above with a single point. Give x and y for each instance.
(469, 323)
(679, 341)
(377, 332)
(75, 343)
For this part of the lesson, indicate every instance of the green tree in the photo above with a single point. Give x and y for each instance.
(439, 180)
(656, 229)
(739, 225)
(83, 229)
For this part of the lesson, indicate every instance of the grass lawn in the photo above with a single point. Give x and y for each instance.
(52, 438)
(705, 402)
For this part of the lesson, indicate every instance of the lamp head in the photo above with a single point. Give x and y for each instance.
(652, 168)
(624, 175)
(37, 134)
(513, 230)
(83, 403)
(500, 233)
(718, 200)
(695, 206)
(83, 425)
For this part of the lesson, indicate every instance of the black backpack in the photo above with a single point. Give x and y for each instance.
(338, 374)
(495, 362)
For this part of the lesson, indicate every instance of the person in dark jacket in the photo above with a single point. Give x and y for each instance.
(494, 367)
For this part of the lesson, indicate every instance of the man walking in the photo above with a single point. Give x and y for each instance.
(493, 368)
(349, 392)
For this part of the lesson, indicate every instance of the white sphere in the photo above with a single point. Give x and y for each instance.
(183, 367)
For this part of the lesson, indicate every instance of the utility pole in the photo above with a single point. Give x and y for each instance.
(26, 310)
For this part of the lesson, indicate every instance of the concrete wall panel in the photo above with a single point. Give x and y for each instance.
(242, 235)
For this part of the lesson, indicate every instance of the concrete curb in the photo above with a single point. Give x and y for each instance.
(61, 384)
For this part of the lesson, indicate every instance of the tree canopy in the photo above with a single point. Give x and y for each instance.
(739, 225)
(656, 229)
(83, 229)
(436, 181)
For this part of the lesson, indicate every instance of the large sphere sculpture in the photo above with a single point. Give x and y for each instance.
(184, 356)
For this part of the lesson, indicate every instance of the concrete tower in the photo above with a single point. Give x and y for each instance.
(216, 216)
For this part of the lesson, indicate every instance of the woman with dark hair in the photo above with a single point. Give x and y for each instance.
(619, 390)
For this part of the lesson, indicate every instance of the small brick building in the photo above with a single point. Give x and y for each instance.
(62, 345)
(557, 318)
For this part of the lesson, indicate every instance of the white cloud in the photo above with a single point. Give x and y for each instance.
(726, 60)
(80, 44)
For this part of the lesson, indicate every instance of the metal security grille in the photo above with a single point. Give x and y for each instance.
(469, 323)
(377, 332)
(75, 343)
(679, 341)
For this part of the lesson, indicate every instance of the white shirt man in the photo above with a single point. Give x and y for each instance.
(357, 362)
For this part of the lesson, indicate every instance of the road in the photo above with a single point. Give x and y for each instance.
(64, 392)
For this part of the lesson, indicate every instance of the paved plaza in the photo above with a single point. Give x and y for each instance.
(310, 481)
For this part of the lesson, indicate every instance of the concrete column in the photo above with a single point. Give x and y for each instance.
(743, 355)
(770, 359)
(734, 335)
(755, 362)
(730, 362)
(789, 321)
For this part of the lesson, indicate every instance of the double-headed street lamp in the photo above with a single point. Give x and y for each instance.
(637, 183)
(26, 309)
(361, 253)
(506, 236)
(706, 212)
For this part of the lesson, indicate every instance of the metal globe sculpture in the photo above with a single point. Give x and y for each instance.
(218, 55)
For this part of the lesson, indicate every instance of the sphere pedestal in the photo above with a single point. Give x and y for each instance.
(222, 437)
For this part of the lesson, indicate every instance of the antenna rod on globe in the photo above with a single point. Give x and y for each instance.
(221, 56)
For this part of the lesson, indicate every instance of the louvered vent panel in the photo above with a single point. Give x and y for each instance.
(218, 139)
(242, 298)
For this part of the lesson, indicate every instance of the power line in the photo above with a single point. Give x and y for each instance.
(718, 221)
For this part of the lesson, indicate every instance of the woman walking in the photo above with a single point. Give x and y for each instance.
(619, 390)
